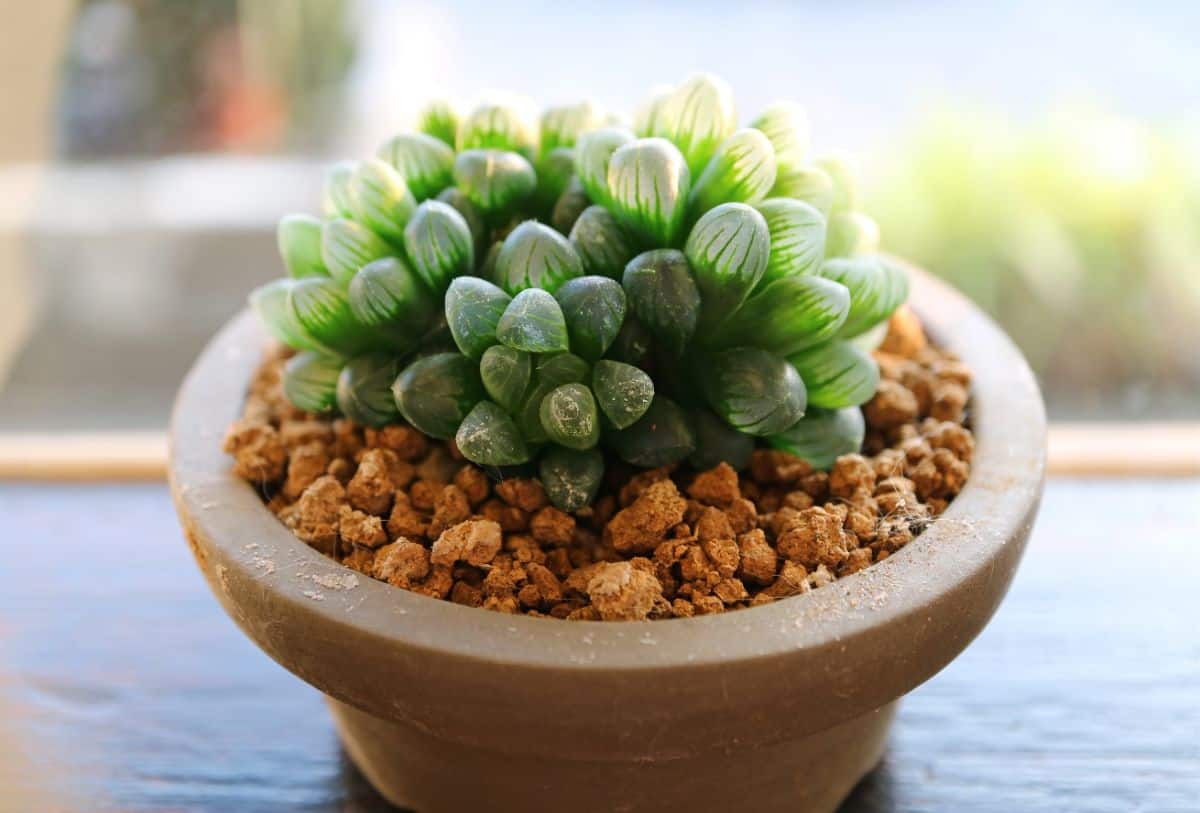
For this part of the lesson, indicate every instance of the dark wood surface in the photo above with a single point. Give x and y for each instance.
(123, 687)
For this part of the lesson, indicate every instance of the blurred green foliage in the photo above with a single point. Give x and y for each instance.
(1081, 235)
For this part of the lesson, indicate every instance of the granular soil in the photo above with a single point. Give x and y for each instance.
(665, 543)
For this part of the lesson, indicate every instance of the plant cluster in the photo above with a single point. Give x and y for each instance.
(676, 290)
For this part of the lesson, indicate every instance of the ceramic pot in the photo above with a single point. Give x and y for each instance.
(780, 707)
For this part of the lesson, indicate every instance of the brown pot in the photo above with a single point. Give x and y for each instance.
(780, 707)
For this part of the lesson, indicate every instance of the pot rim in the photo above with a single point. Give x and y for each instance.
(992, 513)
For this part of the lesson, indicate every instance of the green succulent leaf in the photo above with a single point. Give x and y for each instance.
(388, 297)
(741, 170)
(335, 197)
(364, 389)
(663, 295)
(663, 435)
(494, 179)
(837, 374)
(601, 243)
(346, 246)
(473, 310)
(562, 126)
(754, 391)
(440, 120)
(270, 303)
(555, 169)
(623, 391)
(728, 250)
(571, 476)
(435, 393)
(717, 442)
(489, 437)
(439, 243)
(381, 199)
(528, 417)
(310, 381)
(807, 183)
(455, 197)
(786, 126)
(506, 374)
(843, 172)
(568, 414)
(569, 206)
(299, 240)
(877, 287)
(424, 162)
(648, 187)
(594, 308)
(851, 234)
(697, 116)
(632, 343)
(562, 368)
(823, 435)
(593, 153)
(321, 308)
(786, 316)
(535, 256)
(646, 117)
(797, 238)
(533, 322)
(496, 127)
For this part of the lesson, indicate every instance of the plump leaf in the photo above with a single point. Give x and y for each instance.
(381, 199)
(663, 435)
(493, 179)
(786, 316)
(568, 414)
(424, 162)
(632, 343)
(754, 391)
(561, 126)
(837, 374)
(535, 256)
(786, 126)
(594, 308)
(555, 169)
(663, 295)
(807, 183)
(742, 169)
(718, 442)
(505, 374)
(473, 310)
(440, 120)
(388, 297)
(562, 368)
(593, 153)
(533, 322)
(843, 172)
(496, 127)
(299, 240)
(569, 206)
(270, 303)
(364, 389)
(624, 392)
(877, 287)
(571, 476)
(439, 243)
(728, 250)
(346, 246)
(648, 186)
(436, 392)
(697, 116)
(823, 435)
(851, 234)
(797, 238)
(310, 381)
(455, 197)
(489, 437)
(647, 115)
(335, 197)
(602, 245)
(528, 418)
(321, 308)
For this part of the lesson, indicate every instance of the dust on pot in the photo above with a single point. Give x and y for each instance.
(554, 442)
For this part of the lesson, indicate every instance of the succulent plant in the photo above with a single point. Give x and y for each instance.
(552, 295)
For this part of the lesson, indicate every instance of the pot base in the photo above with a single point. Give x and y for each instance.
(418, 771)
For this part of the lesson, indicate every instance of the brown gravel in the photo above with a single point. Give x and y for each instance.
(665, 543)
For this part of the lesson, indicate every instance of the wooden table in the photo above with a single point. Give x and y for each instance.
(124, 687)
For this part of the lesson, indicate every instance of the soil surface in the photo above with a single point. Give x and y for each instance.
(664, 543)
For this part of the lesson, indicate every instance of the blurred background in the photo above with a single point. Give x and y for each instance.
(1043, 157)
